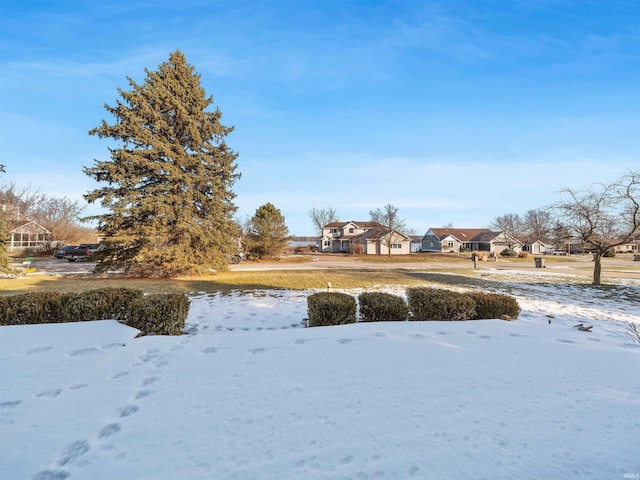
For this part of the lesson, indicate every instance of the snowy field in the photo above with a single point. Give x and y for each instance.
(250, 393)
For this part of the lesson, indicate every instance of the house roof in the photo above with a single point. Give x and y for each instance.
(485, 236)
(377, 233)
(462, 234)
(30, 228)
(339, 224)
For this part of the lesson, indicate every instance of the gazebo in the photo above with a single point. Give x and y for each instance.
(29, 237)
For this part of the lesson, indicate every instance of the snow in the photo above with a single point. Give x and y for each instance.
(252, 394)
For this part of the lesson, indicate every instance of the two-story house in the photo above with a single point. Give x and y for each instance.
(369, 238)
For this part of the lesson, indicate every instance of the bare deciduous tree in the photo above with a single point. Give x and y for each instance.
(603, 216)
(321, 216)
(512, 225)
(538, 224)
(388, 218)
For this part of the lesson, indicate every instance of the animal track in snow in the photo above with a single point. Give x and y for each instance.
(39, 350)
(51, 475)
(83, 351)
(74, 451)
(49, 393)
(78, 386)
(150, 380)
(109, 430)
(119, 375)
(144, 394)
(10, 404)
(128, 410)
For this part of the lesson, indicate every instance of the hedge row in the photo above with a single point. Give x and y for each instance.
(333, 308)
(160, 314)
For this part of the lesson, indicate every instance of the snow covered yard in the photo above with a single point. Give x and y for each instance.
(251, 394)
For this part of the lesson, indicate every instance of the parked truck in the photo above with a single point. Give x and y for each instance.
(82, 251)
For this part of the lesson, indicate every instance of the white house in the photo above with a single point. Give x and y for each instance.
(369, 238)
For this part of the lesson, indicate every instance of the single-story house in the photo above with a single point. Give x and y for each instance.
(370, 238)
(453, 240)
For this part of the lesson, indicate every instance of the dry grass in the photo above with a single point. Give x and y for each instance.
(221, 282)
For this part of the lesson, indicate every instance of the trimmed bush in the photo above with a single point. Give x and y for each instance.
(508, 253)
(331, 308)
(437, 304)
(157, 314)
(494, 305)
(523, 255)
(382, 307)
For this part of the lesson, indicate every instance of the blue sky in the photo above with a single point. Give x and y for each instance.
(453, 111)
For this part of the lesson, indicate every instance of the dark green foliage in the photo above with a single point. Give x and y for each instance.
(507, 252)
(160, 314)
(382, 307)
(267, 233)
(331, 308)
(494, 305)
(436, 304)
(5, 238)
(168, 185)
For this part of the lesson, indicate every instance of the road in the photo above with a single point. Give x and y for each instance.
(619, 267)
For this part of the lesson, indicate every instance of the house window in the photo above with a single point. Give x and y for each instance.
(351, 230)
(450, 244)
(396, 245)
(333, 230)
(327, 243)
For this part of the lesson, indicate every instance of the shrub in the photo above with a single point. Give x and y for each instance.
(494, 305)
(101, 304)
(158, 314)
(436, 304)
(508, 253)
(523, 255)
(331, 308)
(382, 307)
(610, 253)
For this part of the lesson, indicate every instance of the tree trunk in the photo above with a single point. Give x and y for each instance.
(597, 267)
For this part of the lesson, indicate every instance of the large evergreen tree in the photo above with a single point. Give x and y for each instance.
(5, 238)
(267, 233)
(168, 193)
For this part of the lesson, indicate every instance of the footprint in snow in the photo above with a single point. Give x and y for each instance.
(210, 350)
(128, 410)
(51, 475)
(344, 340)
(74, 451)
(39, 350)
(257, 350)
(83, 351)
(149, 380)
(10, 404)
(562, 340)
(144, 394)
(109, 430)
(78, 386)
(119, 375)
(49, 393)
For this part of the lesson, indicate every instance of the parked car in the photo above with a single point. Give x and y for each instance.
(61, 252)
